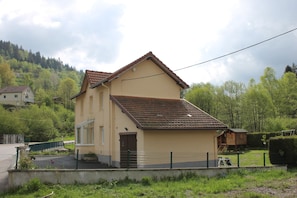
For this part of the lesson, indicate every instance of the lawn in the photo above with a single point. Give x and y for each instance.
(248, 158)
(244, 183)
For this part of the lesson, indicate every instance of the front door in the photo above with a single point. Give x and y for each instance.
(128, 151)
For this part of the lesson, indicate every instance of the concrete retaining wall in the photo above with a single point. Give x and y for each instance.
(63, 176)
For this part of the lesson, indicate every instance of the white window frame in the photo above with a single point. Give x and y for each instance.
(85, 133)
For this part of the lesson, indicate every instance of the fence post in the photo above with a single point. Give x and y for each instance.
(207, 160)
(128, 165)
(77, 158)
(264, 159)
(17, 157)
(170, 160)
(238, 160)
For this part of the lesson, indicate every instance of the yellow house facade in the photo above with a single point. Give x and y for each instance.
(136, 118)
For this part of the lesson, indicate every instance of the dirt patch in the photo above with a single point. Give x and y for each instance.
(286, 188)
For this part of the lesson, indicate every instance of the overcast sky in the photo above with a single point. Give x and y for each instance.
(106, 35)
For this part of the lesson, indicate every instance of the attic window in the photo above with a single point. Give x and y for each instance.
(189, 115)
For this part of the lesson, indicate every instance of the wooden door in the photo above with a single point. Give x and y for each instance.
(128, 151)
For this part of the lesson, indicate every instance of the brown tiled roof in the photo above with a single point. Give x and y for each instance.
(95, 76)
(13, 89)
(153, 113)
(148, 56)
(91, 77)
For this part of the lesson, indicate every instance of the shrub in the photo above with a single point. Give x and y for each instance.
(283, 150)
(146, 181)
(32, 186)
(26, 163)
(255, 139)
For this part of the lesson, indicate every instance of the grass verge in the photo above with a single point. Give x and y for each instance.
(243, 183)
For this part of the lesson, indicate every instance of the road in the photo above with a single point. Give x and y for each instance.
(7, 161)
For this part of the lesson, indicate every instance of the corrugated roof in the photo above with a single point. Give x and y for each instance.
(13, 89)
(154, 113)
(238, 130)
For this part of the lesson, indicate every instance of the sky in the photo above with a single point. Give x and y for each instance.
(105, 35)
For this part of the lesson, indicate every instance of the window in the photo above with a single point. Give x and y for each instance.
(101, 101)
(15, 96)
(91, 104)
(81, 107)
(78, 134)
(4, 96)
(102, 134)
(85, 132)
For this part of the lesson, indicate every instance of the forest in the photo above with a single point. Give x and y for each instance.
(267, 106)
(52, 82)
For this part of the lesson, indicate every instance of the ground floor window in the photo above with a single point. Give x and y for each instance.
(85, 132)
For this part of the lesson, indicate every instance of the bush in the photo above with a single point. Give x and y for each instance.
(26, 163)
(32, 186)
(283, 150)
(255, 139)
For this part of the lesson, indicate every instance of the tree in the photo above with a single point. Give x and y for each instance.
(6, 74)
(287, 96)
(257, 107)
(229, 97)
(66, 90)
(202, 95)
(270, 83)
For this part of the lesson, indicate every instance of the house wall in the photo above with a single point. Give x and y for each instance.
(187, 146)
(120, 122)
(142, 81)
(17, 98)
(94, 105)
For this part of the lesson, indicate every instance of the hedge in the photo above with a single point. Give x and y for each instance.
(283, 150)
(254, 140)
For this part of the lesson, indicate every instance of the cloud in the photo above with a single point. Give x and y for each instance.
(62, 30)
(104, 35)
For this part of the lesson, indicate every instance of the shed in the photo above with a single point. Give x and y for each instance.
(232, 138)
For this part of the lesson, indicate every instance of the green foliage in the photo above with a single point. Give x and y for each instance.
(235, 184)
(26, 163)
(283, 150)
(146, 181)
(32, 186)
(255, 139)
(53, 115)
(269, 105)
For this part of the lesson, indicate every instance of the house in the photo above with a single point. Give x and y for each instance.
(16, 96)
(232, 138)
(135, 117)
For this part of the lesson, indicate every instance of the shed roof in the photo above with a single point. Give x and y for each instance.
(238, 130)
(159, 114)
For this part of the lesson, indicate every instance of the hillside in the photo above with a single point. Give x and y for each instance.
(52, 82)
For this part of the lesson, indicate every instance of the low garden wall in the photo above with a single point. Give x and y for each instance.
(83, 176)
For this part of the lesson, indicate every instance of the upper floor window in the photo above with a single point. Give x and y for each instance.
(4, 96)
(101, 98)
(15, 95)
(91, 104)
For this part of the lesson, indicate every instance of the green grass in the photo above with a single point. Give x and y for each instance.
(249, 158)
(239, 184)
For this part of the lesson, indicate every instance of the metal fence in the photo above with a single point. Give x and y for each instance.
(45, 146)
